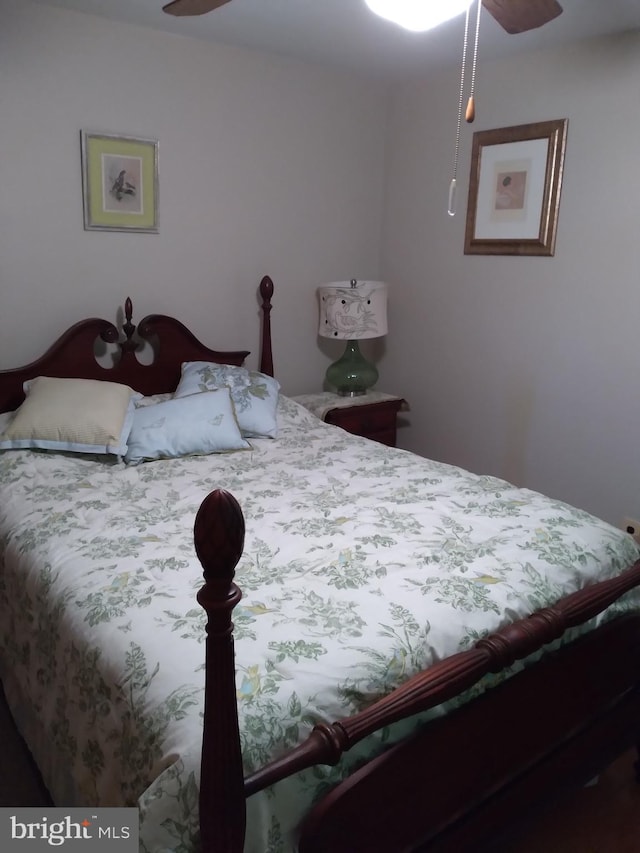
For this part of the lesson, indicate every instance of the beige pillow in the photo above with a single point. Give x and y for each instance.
(79, 415)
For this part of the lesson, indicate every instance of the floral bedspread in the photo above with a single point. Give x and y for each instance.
(362, 566)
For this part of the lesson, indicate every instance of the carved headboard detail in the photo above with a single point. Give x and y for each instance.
(73, 353)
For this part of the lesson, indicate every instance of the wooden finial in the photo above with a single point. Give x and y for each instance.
(266, 355)
(471, 110)
(219, 538)
(266, 288)
(128, 327)
(219, 535)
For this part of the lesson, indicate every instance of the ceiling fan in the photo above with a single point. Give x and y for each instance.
(514, 16)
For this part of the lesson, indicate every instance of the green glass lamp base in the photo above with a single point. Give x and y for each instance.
(352, 375)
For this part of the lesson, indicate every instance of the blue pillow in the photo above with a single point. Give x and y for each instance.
(195, 425)
(254, 395)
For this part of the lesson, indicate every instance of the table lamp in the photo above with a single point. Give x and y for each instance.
(352, 311)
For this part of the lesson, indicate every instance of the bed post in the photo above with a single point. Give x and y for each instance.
(219, 539)
(266, 356)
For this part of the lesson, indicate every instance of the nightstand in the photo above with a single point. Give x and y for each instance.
(372, 415)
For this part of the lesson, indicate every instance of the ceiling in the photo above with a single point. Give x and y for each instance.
(345, 34)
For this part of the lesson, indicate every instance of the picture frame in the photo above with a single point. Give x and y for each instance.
(514, 189)
(119, 182)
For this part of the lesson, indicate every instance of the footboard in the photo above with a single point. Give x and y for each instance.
(219, 536)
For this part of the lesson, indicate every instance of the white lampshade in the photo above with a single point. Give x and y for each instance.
(420, 15)
(353, 310)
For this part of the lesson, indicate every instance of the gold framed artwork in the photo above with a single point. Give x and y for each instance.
(119, 182)
(514, 189)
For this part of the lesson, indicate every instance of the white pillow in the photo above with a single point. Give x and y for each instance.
(196, 425)
(76, 415)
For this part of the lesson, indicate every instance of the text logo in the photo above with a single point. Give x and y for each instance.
(99, 829)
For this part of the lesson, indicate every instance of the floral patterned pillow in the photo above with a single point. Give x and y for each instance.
(254, 394)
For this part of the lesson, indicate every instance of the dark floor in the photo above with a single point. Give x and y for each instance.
(602, 818)
(20, 783)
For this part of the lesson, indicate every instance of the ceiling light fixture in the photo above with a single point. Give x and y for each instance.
(421, 15)
(418, 15)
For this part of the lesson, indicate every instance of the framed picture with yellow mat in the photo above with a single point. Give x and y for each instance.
(119, 182)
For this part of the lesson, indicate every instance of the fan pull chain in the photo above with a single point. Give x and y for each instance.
(451, 210)
(471, 105)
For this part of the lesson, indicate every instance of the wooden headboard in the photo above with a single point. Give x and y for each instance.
(73, 353)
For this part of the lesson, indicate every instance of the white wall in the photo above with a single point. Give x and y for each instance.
(522, 367)
(527, 368)
(266, 166)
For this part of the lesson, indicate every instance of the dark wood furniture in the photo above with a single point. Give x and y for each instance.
(462, 782)
(377, 421)
(373, 415)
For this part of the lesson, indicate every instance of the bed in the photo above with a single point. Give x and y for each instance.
(421, 654)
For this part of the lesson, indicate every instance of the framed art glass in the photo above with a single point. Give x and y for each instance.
(514, 189)
(119, 183)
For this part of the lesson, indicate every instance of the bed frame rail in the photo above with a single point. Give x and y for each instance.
(219, 534)
(469, 780)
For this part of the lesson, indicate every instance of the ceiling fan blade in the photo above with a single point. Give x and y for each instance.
(518, 16)
(192, 7)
